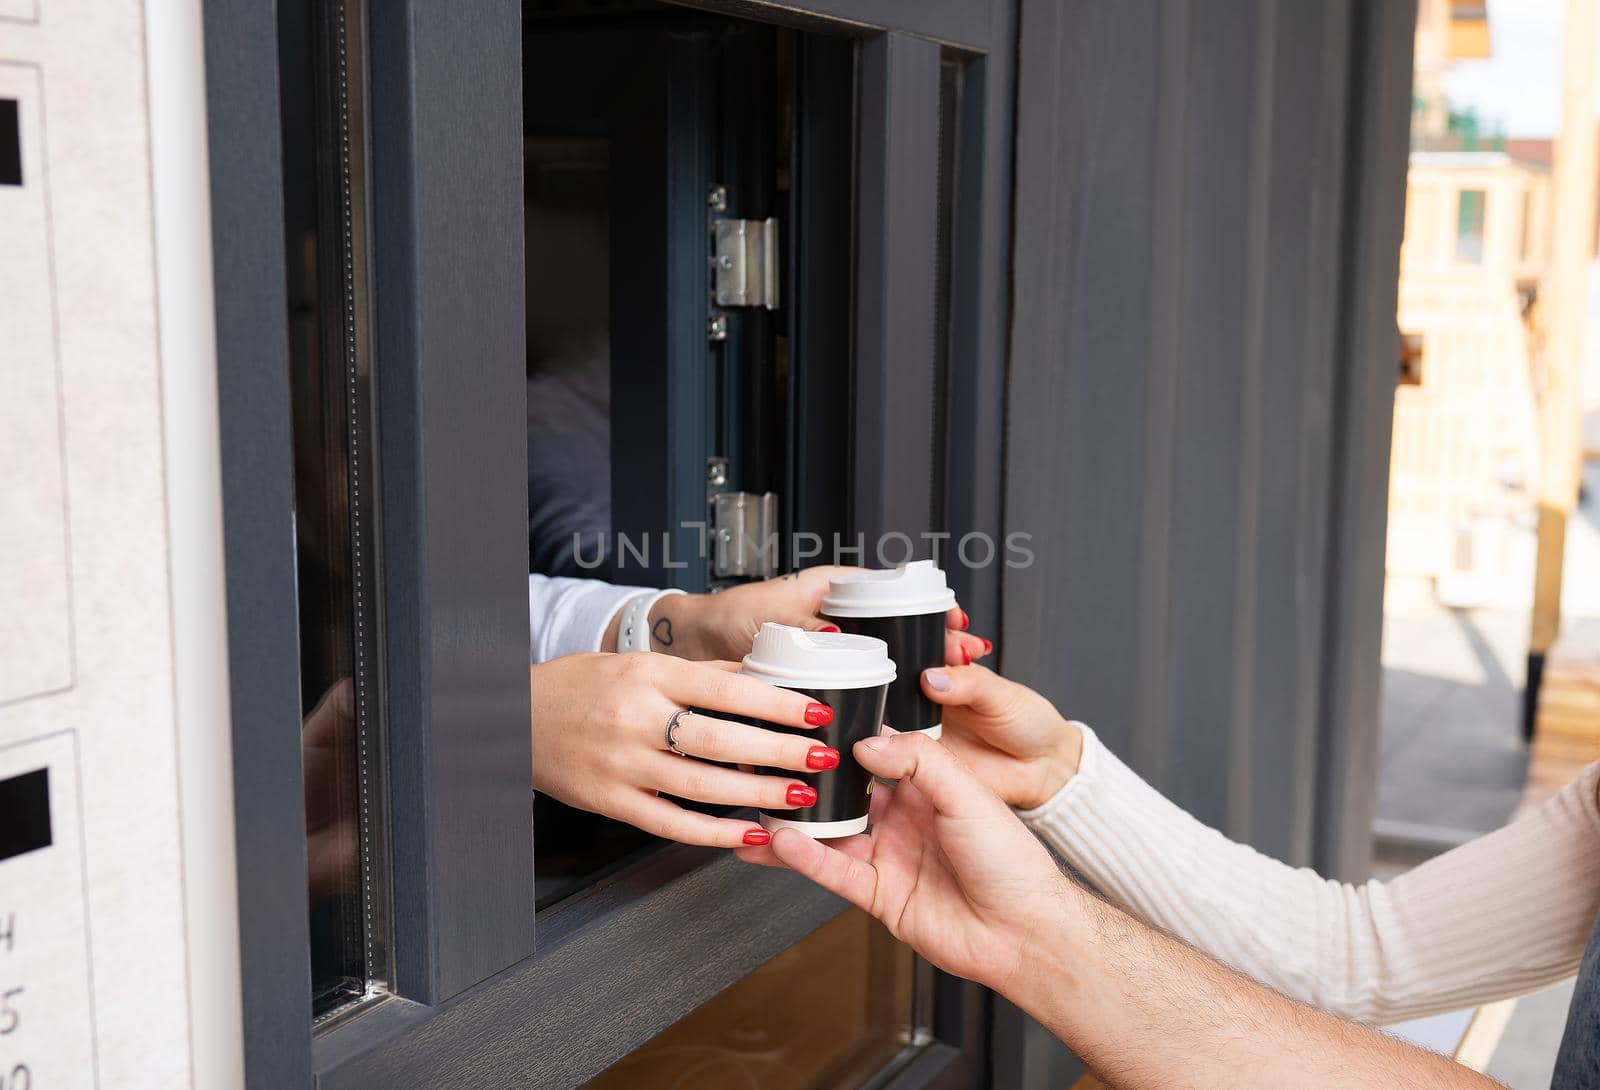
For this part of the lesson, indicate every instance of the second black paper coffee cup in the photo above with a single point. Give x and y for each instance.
(905, 607)
(850, 674)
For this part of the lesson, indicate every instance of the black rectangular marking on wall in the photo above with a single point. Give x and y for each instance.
(10, 143)
(25, 813)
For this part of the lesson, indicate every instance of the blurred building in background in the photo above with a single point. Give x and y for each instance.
(1465, 451)
(1447, 31)
(1478, 236)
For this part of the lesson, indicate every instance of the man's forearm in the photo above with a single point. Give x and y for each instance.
(1146, 1011)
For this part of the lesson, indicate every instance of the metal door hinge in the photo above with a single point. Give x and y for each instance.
(744, 528)
(744, 257)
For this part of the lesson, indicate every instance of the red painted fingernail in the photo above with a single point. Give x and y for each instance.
(818, 715)
(829, 628)
(966, 656)
(801, 795)
(822, 758)
(987, 647)
(966, 622)
(757, 837)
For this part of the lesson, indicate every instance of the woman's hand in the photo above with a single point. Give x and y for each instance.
(946, 867)
(1012, 738)
(599, 743)
(723, 625)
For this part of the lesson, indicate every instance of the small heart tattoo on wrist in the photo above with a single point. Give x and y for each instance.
(661, 631)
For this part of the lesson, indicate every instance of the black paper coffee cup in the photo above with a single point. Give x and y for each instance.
(906, 608)
(849, 673)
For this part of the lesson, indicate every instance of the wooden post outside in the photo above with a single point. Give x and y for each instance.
(1563, 299)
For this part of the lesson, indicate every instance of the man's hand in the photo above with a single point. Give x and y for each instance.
(723, 625)
(953, 873)
(1012, 738)
(947, 867)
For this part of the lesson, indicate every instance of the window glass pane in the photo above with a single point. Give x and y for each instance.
(829, 1012)
(335, 492)
(1469, 225)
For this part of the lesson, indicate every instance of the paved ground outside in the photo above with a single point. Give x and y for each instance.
(1526, 1058)
(1452, 761)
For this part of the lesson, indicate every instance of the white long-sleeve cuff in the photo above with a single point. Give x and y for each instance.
(570, 616)
(1090, 769)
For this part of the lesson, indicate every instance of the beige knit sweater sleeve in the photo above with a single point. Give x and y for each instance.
(1503, 915)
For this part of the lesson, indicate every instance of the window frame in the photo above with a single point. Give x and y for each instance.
(469, 965)
(251, 299)
(454, 537)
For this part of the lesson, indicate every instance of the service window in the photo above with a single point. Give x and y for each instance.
(663, 388)
(741, 293)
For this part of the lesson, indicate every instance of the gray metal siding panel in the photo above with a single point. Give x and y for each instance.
(1178, 340)
(1155, 710)
(1301, 244)
(1369, 343)
(1213, 246)
(1081, 292)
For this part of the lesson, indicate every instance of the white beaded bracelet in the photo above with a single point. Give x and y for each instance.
(633, 632)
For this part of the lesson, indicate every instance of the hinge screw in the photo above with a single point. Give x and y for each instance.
(717, 330)
(716, 472)
(717, 199)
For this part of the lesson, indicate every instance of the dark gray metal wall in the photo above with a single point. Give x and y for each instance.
(1208, 206)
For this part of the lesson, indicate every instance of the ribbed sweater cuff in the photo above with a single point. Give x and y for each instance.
(1122, 835)
(1093, 769)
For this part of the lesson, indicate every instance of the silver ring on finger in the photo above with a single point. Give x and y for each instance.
(672, 726)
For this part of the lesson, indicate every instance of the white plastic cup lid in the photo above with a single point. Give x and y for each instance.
(909, 590)
(797, 659)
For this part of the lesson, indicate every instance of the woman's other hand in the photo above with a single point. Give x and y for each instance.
(723, 625)
(947, 868)
(1012, 738)
(599, 743)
